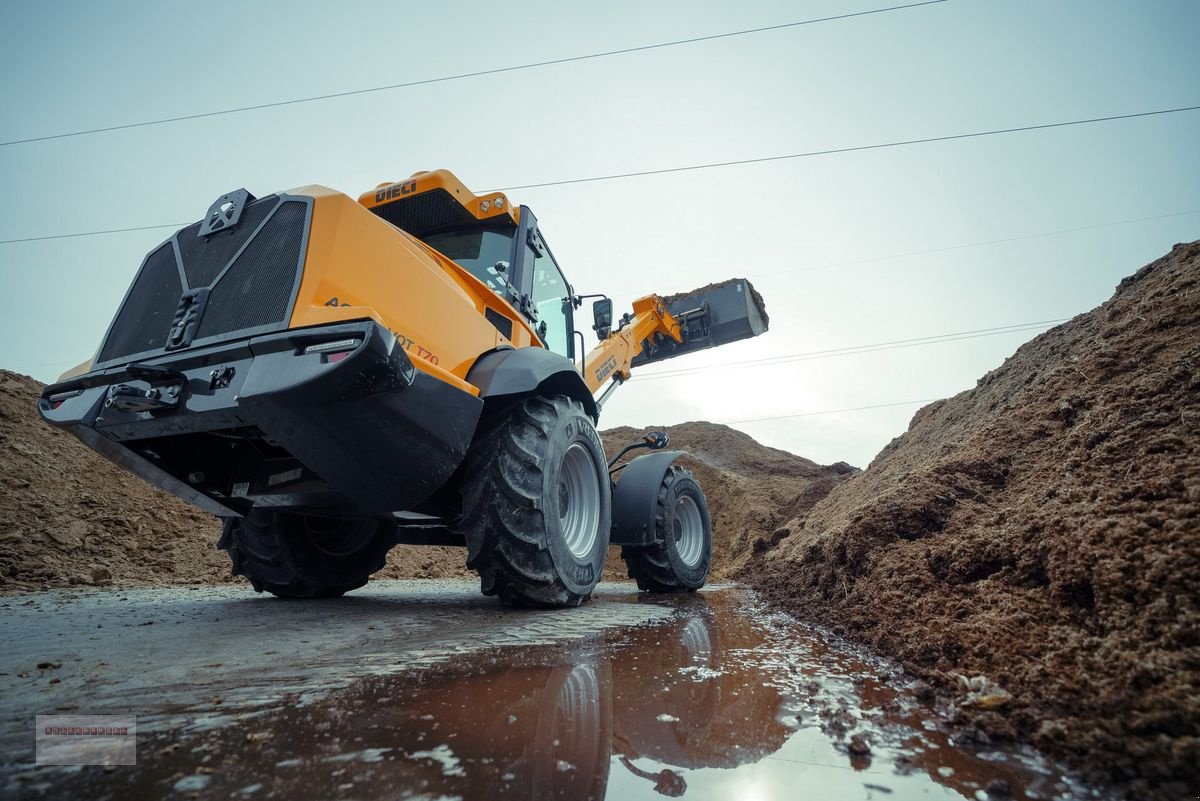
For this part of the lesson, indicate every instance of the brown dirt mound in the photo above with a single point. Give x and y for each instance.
(1043, 531)
(752, 490)
(68, 516)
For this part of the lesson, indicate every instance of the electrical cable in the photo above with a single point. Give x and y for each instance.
(463, 75)
(843, 150)
(852, 350)
(93, 233)
(829, 411)
(855, 149)
(1005, 240)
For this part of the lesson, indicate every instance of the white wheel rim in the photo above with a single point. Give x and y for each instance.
(579, 696)
(696, 639)
(579, 501)
(689, 531)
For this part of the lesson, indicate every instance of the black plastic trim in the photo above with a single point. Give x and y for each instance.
(516, 373)
(635, 498)
(502, 324)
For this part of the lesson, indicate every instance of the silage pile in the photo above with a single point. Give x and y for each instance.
(68, 517)
(1040, 535)
(753, 491)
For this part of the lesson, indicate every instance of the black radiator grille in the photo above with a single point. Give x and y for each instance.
(254, 293)
(146, 316)
(204, 257)
(258, 287)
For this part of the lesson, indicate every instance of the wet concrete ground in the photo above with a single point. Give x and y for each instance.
(428, 690)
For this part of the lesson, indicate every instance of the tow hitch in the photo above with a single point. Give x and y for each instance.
(165, 390)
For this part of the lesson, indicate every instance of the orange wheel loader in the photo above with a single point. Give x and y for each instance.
(335, 377)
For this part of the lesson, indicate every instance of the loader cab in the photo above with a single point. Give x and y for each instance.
(479, 232)
(530, 278)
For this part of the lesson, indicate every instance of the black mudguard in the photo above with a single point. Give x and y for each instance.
(635, 498)
(511, 374)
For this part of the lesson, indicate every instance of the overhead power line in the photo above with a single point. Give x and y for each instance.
(854, 349)
(93, 233)
(846, 351)
(828, 411)
(757, 275)
(463, 75)
(948, 248)
(752, 161)
(854, 149)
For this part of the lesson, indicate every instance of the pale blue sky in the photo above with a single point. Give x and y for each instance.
(960, 66)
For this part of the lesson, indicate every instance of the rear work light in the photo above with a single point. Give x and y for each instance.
(335, 350)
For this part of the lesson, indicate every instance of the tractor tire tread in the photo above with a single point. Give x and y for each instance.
(650, 566)
(502, 499)
(259, 551)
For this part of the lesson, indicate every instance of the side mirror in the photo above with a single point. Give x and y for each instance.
(602, 318)
(657, 440)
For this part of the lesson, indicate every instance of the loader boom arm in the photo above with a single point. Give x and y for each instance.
(613, 357)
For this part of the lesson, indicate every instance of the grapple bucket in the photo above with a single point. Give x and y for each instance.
(712, 315)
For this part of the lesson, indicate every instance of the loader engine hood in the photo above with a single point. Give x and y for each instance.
(234, 273)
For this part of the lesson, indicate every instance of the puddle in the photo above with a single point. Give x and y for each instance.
(722, 701)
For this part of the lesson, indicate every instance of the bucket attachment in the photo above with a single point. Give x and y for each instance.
(709, 316)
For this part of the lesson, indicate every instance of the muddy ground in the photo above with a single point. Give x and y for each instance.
(1041, 531)
(449, 695)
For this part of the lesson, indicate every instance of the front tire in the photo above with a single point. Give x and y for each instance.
(302, 556)
(537, 505)
(681, 555)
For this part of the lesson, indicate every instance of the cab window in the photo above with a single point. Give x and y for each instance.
(477, 250)
(551, 298)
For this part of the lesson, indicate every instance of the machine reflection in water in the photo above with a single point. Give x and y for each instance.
(724, 701)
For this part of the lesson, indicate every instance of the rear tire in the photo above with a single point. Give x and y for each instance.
(682, 554)
(302, 556)
(537, 505)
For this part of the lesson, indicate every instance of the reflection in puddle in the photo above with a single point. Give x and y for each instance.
(724, 701)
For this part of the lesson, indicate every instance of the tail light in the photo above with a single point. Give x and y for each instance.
(334, 350)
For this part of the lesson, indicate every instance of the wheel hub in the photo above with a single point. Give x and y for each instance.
(688, 527)
(579, 501)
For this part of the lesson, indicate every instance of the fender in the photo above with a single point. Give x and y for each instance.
(635, 497)
(519, 372)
